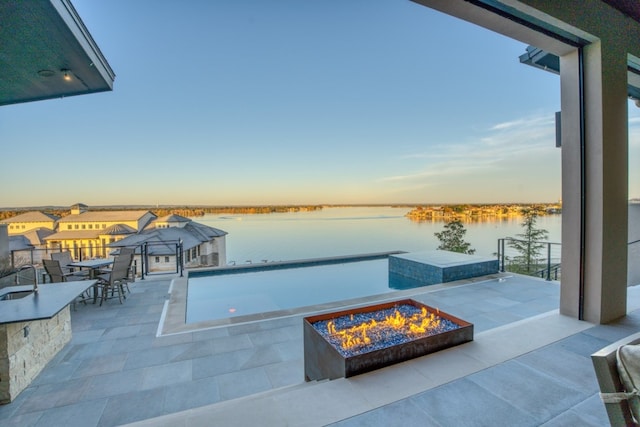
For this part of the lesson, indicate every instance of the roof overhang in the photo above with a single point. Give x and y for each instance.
(549, 62)
(39, 39)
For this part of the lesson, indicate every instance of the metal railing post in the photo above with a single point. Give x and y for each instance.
(144, 260)
(549, 261)
(179, 257)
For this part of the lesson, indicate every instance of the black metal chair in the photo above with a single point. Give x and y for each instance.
(113, 283)
(57, 275)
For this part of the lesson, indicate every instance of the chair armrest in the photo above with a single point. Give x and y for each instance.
(606, 369)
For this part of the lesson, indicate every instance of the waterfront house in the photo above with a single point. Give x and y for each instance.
(86, 233)
(201, 245)
(90, 234)
(28, 221)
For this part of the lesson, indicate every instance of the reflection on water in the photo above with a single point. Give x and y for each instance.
(356, 230)
(351, 230)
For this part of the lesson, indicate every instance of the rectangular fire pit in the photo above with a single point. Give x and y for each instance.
(352, 342)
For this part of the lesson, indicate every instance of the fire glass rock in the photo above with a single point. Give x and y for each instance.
(351, 342)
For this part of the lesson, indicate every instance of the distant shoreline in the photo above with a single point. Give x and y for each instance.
(198, 211)
(274, 206)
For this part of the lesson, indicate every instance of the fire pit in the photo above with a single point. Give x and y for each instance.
(352, 342)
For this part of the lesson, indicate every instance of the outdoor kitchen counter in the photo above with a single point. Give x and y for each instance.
(49, 301)
(33, 329)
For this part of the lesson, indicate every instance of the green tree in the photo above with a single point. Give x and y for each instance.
(452, 238)
(529, 244)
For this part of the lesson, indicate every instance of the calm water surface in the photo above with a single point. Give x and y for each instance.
(351, 230)
(334, 232)
(231, 295)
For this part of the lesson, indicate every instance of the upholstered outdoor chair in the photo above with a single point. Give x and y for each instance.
(605, 365)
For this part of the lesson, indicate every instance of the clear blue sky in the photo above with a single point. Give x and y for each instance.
(290, 102)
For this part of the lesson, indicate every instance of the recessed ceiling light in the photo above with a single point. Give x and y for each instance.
(46, 73)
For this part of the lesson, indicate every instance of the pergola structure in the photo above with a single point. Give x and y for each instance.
(597, 46)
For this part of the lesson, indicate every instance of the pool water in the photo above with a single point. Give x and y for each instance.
(218, 296)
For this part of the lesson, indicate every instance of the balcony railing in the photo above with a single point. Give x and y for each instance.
(543, 261)
(548, 266)
(142, 264)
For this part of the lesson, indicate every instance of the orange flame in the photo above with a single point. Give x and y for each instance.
(359, 335)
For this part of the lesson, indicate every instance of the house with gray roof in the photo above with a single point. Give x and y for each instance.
(201, 244)
(27, 233)
(29, 221)
(90, 234)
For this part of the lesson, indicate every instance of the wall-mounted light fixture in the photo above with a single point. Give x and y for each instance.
(66, 74)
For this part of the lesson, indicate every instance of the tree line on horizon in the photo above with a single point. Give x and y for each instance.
(182, 211)
(197, 211)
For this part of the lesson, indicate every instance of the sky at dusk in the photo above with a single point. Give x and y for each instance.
(242, 102)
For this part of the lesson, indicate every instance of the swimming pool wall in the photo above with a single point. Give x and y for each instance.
(280, 265)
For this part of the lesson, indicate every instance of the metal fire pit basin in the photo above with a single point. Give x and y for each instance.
(323, 361)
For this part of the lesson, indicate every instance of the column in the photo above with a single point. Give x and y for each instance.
(594, 184)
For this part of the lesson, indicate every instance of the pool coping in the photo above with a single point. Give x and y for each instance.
(173, 318)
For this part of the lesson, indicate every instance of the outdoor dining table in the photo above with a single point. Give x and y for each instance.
(94, 266)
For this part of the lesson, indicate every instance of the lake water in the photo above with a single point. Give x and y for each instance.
(335, 231)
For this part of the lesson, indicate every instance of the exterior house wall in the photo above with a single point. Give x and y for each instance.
(211, 253)
(22, 227)
(94, 225)
(85, 248)
(4, 244)
(219, 247)
(159, 263)
(94, 246)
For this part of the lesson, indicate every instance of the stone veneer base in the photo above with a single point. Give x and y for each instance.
(25, 349)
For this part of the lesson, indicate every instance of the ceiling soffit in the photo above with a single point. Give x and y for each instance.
(40, 40)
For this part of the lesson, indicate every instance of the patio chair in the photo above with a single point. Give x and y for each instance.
(56, 275)
(124, 252)
(113, 283)
(65, 259)
(611, 387)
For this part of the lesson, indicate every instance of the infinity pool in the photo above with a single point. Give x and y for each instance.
(228, 293)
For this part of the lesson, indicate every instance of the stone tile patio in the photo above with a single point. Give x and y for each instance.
(117, 370)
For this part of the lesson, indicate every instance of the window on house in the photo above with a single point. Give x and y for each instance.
(157, 259)
(90, 226)
(84, 227)
(69, 227)
(166, 259)
(76, 226)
